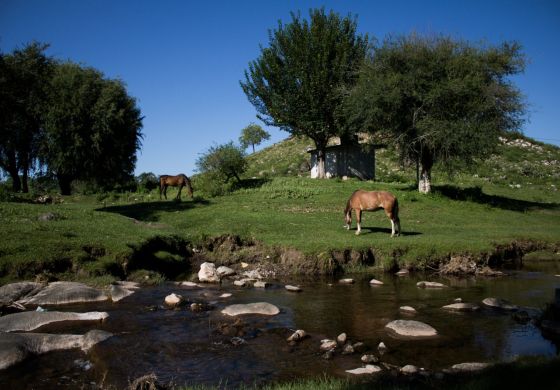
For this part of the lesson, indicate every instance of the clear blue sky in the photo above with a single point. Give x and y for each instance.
(183, 60)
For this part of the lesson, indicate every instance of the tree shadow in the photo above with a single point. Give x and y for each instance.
(372, 230)
(250, 183)
(148, 211)
(475, 194)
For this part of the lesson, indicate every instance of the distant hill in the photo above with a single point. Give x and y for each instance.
(519, 161)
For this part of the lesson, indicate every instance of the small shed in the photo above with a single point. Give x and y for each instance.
(352, 160)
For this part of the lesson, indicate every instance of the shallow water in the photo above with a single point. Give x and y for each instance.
(186, 347)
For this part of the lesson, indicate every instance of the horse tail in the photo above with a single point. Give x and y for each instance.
(348, 212)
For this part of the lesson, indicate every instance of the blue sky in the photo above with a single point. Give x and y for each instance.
(183, 60)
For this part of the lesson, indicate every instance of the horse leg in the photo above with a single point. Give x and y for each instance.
(394, 222)
(165, 191)
(358, 221)
(179, 193)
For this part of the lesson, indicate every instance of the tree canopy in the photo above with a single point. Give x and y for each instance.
(440, 99)
(223, 162)
(92, 128)
(252, 135)
(296, 83)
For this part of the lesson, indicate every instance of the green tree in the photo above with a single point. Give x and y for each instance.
(92, 128)
(297, 82)
(440, 99)
(253, 135)
(24, 80)
(225, 162)
(147, 181)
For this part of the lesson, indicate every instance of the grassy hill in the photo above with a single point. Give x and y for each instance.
(507, 204)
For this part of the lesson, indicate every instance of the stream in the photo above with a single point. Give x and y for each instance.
(182, 346)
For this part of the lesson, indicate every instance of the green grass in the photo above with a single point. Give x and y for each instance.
(92, 238)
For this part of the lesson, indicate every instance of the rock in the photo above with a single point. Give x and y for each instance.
(407, 328)
(18, 291)
(498, 303)
(244, 265)
(382, 347)
(188, 284)
(458, 300)
(375, 282)
(297, 335)
(47, 217)
(409, 369)
(31, 320)
(16, 347)
(173, 299)
(359, 347)
(369, 359)
(208, 273)
(425, 284)
(461, 306)
(293, 288)
(58, 293)
(240, 283)
(348, 349)
(341, 339)
(487, 271)
(224, 271)
(118, 292)
(407, 309)
(469, 367)
(196, 307)
(260, 284)
(225, 295)
(328, 354)
(253, 274)
(368, 369)
(346, 281)
(263, 308)
(327, 344)
(128, 285)
(402, 272)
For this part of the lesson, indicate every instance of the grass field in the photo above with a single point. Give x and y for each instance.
(90, 237)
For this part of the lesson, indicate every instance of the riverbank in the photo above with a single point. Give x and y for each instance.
(294, 225)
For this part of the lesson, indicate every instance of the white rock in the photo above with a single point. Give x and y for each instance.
(263, 308)
(430, 285)
(375, 282)
(346, 281)
(292, 288)
(409, 328)
(208, 273)
(240, 283)
(225, 295)
(407, 309)
(260, 284)
(244, 265)
(188, 284)
(224, 271)
(368, 369)
(31, 320)
(297, 335)
(327, 344)
(173, 299)
(369, 359)
(382, 346)
(402, 272)
(409, 369)
(461, 306)
(341, 338)
(470, 366)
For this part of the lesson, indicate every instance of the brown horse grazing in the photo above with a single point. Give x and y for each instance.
(371, 201)
(180, 181)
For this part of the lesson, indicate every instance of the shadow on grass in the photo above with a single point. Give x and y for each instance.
(475, 194)
(148, 211)
(372, 230)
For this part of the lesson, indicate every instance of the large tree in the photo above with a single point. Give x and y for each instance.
(296, 83)
(441, 99)
(24, 80)
(224, 161)
(92, 128)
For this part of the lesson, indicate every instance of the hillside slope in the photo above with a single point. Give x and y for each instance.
(520, 161)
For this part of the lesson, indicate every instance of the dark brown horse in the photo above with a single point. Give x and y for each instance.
(371, 201)
(180, 181)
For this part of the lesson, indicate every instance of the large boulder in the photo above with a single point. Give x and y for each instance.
(16, 347)
(30, 320)
(413, 329)
(208, 273)
(263, 308)
(16, 291)
(58, 293)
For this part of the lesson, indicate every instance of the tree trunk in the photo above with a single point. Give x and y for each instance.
(425, 179)
(321, 163)
(65, 184)
(25, 187)
(12, 170)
